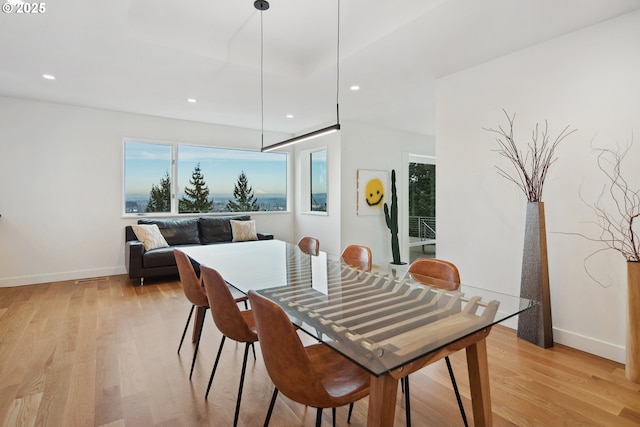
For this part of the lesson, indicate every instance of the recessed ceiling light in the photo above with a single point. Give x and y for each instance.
(355, 87)
(191, 100)
(289, 116)
(48, 77)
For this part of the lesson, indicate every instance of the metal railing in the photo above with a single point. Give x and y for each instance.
(422, 227)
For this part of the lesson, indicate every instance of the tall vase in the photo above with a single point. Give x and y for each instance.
(534, 325)
(632, 366)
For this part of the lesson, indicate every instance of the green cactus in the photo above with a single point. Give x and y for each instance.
(392, 220)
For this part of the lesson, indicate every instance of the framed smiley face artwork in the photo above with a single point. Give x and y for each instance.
(372, 191)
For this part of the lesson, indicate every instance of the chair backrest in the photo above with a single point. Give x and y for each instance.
(358, 256)
(446, 274)
(285, 357)
(224, 309)
(191, 285)
(309, 245)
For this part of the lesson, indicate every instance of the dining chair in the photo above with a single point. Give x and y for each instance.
(309, 245)
(232, 323)
(358, 256)
(443, 275)
(315, 375)
(195, 293)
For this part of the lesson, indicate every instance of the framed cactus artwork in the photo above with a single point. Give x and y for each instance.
(372, 190)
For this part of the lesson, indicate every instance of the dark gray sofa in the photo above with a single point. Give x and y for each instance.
(181, 232)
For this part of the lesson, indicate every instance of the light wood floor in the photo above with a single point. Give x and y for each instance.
(103, 353)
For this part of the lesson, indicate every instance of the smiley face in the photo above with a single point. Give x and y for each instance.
(374, 192)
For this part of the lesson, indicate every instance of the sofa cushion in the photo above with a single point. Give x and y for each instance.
(243, 231)
(216, 229)
(161, 257)
(150, 236)
(176, 231)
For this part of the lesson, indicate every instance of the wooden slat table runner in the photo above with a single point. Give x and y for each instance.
(389, 319)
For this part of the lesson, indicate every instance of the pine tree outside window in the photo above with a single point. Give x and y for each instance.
(245, 201)
(160, 196)
(146, 166)
(196, 195)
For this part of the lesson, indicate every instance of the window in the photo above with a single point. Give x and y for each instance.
(147, 171)
(318, 180)
(180, 178)
(313, 181)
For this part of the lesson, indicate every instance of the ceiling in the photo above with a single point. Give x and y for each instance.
(150, 56)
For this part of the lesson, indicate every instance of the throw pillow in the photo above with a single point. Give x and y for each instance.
(150, 236)
(243, 230)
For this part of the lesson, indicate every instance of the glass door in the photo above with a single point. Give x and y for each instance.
(421, 207)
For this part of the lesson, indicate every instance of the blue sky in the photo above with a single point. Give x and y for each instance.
(147, 163)
(319, 171)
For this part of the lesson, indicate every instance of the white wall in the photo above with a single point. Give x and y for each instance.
(587, 79)
(374, 148)
(61, 186)
(324, 227)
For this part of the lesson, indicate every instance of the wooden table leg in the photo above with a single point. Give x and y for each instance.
(479, 383)
(382, 401)
(199, 317)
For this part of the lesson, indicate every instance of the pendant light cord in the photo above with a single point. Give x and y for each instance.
(261, 81)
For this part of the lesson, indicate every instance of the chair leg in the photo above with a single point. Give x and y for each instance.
(333, 415)
(407, 400)
(455, 389)
(244, 369)
(195, 352)
(318, 417)
(253, 347)
(215, 366)
(350, 412)
(271, 405)
(186, 327)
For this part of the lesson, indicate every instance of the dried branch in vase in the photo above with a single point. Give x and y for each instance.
(617, 206)
(533, 164)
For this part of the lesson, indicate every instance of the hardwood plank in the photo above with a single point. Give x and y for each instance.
(24, 410)
(80, 406)
(108, 409)
(7, 397)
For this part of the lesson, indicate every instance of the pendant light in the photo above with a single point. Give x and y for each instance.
(263, 5)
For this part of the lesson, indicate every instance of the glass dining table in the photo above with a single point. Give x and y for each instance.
(389, 325)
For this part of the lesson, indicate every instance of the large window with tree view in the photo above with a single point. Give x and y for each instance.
(179, 178)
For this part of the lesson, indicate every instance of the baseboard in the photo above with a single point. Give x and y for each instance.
(60, 277)
(590, 345)
(608, 350)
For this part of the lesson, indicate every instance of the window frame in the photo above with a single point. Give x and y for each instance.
(175, 180)
(307, 181)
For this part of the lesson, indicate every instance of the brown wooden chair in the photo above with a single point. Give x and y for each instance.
(309, 245)
(315, 375)
(195, 293)
(233, 323)
(442, 275)
(358, 256)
